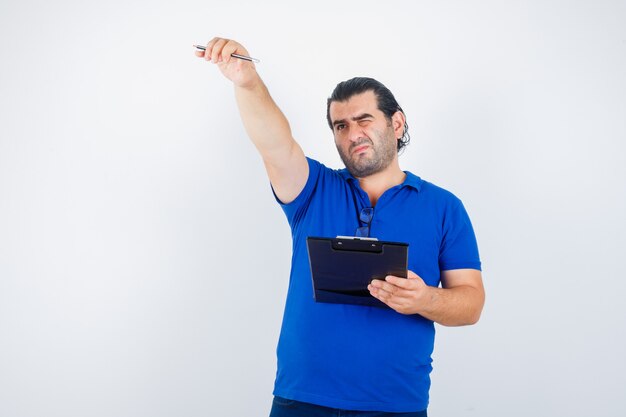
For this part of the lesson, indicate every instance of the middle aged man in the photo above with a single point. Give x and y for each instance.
(341, 359)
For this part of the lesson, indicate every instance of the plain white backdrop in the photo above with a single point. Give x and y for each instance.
(144, 262)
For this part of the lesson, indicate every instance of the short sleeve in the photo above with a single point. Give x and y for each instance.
(459, 249)
(295, 209)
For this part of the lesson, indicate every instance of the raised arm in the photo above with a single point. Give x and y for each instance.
(266, 125)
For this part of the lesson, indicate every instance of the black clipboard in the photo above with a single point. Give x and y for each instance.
(343, 267)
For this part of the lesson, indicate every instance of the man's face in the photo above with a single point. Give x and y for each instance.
(365, 138)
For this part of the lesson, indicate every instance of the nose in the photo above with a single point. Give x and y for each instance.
(355, 133)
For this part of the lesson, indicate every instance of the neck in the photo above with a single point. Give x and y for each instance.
(376, 184)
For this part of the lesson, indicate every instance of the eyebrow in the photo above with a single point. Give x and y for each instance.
(355, 118)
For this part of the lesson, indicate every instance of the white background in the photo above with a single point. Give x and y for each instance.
(144, 262)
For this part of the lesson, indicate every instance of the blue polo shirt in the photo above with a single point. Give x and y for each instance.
(357, 357)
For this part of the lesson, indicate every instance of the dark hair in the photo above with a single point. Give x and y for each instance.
(386, 101)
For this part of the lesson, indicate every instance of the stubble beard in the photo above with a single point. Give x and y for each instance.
(361, 165)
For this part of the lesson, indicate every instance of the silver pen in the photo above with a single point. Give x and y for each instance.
(245, 58)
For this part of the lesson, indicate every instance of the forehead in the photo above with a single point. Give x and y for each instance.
(356, 105)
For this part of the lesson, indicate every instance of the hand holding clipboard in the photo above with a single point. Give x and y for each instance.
(343, 267)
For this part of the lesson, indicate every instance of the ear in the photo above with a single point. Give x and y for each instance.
(397, 121)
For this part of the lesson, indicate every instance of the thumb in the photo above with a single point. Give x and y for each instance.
(413, 275)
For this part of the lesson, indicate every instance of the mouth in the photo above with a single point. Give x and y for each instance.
(360, 149)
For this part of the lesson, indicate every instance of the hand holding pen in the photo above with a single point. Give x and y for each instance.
(231, 58)
(245, 58)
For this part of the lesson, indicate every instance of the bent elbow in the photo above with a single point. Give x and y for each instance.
(473, 319)
(470, 319)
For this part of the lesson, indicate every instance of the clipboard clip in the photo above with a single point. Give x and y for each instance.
(356, 238)
(351, 243)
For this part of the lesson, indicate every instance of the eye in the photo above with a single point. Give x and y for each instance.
(340, 126)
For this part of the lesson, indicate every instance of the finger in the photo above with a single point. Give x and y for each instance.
(400, 282)
(216, 52)
(385, 286)
(386, 294)
(381, 285)
(412, 275)
(230, 48)
(385, 297)
(200, 53)
(379, 293)
(378, 290)
(209, 48)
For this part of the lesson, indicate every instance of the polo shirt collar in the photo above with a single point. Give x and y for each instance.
(411, 179)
